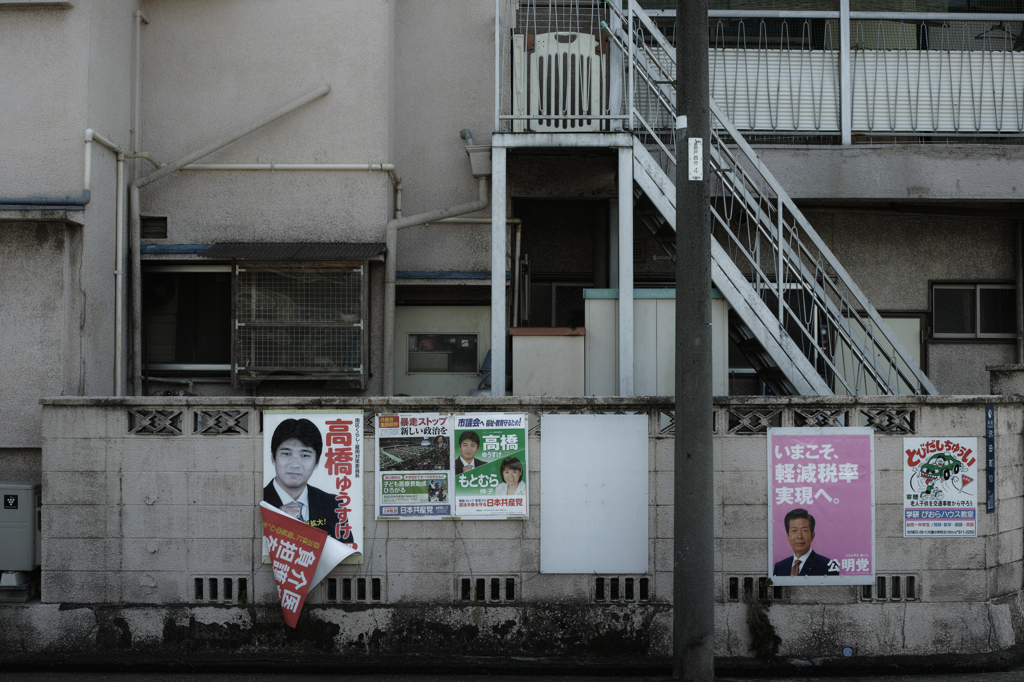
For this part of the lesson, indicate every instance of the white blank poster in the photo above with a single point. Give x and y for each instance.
(593, 493)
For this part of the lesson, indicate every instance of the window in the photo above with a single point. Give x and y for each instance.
(187, 317)
(974, 311)
(454, 353)
(258, 320)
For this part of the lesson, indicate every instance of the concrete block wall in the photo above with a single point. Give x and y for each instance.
(131, 520)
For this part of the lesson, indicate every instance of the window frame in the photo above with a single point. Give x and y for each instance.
(978, 287)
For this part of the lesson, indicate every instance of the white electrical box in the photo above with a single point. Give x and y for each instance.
(20, 525)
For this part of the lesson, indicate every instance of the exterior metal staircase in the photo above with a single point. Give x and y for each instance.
(797, 315)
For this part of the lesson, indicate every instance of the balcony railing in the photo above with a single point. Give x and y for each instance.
(799, 75)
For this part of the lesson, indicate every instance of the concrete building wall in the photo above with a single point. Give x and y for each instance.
(209, 68)
(153, 513)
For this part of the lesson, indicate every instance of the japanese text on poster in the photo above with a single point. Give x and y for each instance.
(821, 506)
(491, 465)
(940, 487)
(313, 470)
(414, 461)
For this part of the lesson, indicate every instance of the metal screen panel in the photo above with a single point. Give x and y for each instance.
(300, 321)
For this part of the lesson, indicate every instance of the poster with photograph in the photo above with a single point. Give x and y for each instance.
(491, 465)
(313, 470)
(414, 462)
(821, 511)
(940, 487)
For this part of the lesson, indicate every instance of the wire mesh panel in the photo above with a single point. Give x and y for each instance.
(301, 322)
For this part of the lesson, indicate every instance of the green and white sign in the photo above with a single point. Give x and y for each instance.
(491, 465)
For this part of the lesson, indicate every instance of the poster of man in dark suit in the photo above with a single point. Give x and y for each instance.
(295, 450)
(800, 533)
(469, 443)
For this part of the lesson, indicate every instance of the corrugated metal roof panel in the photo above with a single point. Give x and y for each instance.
(296, 251)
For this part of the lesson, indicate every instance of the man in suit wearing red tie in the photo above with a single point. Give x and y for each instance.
(800, 533)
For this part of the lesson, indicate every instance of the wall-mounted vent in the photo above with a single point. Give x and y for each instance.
(154, 227)
(892, 588)
(624, 588)
(362, 590)
(741, 588)
(220, 589)
(487, 590)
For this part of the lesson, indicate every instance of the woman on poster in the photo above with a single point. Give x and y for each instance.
(512, 475)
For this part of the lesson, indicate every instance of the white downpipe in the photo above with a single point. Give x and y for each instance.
(164, 171)
(274, 167)
(391, 268)
(499, 212)
(91, 135)
(140, 19)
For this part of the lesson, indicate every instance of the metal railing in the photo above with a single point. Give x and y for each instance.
(787, 266)
(802, 75)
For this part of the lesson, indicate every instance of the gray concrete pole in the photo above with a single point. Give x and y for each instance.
(693, 559)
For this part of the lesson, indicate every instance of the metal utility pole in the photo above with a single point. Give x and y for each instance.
(693, 559)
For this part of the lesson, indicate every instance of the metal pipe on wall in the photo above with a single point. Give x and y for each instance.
(136, 218)
(391, 268)
(1020, 292)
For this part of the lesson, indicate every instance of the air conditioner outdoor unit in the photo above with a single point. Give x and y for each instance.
(19, 526)
(556, 76)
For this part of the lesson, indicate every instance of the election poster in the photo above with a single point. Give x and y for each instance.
(301, 555)
(313, 471)
(940, 487)
(821, 518)
(414, 462)
(491, 466)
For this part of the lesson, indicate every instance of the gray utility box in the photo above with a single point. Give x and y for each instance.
(20, 525)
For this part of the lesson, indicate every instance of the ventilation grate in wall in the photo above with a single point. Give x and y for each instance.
(360, 590)
(153, 227)
(487, 589)
(889, 588)
(621, 588)
(741, 588)
(220, 589)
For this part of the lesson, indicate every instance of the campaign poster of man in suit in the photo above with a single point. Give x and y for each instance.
(821, 517)
(312, 470)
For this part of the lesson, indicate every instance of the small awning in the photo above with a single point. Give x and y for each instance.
(296, 251)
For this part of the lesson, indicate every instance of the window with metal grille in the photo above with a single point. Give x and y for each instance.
(300, 321)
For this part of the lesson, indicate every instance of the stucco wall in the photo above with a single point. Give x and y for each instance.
(209, 68)
(155, 512)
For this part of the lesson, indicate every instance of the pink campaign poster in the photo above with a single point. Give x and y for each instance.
(821, 511)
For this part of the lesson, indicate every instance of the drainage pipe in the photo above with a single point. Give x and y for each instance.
(140, 19)
(1020, 293)
(163, 172)
(391, 240)
(274, 167)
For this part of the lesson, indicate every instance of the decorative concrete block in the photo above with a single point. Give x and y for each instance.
(154, 488)
(80, 487)
(421, 556)
(215, 521)
(155, 587)
(151, 554)
(61, 421)
(741, 488)
(74, 454)
(498, 530)
(664, 454)
(420, 588)
(148, 453)
(74, 554)
(74, 521)
(664, 487)
(488, 556)
(220, 556)
(425, 530)
(76, 587)
(558, 588)
(956, 585)
(744, 521)
(1009, 513)
(221, 489)
(220, 455)
(744, 556)
(143, 521)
